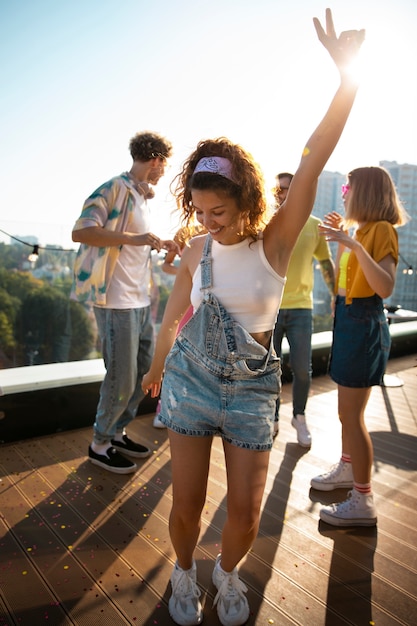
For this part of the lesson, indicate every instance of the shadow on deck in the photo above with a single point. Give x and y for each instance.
(81, 546)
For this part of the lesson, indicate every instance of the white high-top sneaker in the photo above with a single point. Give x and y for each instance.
(339, 476)
(357, 510)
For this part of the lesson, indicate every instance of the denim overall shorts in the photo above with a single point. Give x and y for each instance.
(218, 380)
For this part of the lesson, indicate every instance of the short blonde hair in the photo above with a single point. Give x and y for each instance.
(373, 197)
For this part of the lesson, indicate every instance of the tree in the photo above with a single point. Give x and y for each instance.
(38, 322)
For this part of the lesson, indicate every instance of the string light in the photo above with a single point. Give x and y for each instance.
(409, 270)
(33, 256)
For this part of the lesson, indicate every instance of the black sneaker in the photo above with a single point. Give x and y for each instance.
(130, 448)
(112, 461)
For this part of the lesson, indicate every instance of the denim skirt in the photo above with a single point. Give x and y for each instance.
(361, 342)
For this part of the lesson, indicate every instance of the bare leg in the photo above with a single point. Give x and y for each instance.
(356, 440)
(190, 458)
(246, 477)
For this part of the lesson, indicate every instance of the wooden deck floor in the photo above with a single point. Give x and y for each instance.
(81, 546)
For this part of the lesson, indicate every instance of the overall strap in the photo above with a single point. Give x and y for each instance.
(205, 263)
(227, 322)
(206, 284)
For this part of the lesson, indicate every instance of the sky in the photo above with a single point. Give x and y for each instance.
(78, 78)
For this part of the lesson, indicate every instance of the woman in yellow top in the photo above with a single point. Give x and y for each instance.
(361, 340)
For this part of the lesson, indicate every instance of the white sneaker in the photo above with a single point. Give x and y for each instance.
(232, 605)
(303, 434)
(157, 422)
(357, 510)
(184, 604)
(339, 476)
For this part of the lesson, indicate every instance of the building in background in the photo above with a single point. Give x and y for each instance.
(329, 198)
(405, 291)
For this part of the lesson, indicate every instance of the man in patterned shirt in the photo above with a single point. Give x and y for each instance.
(112, 272)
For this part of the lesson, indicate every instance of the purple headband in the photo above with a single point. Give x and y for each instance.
(215, 165)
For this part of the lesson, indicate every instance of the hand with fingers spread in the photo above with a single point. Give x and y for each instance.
(334, 220)
(334, 229)
(342, 49)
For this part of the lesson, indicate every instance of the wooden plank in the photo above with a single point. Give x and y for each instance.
(96, 550)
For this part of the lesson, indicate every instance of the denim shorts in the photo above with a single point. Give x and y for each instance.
(219, 381)
(361, 342)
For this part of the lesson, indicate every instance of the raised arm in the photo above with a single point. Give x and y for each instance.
(282, 231)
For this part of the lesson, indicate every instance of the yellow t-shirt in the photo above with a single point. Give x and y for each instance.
(298, 292)
(343, 263)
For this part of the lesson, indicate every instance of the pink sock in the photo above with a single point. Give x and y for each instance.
(363, 488)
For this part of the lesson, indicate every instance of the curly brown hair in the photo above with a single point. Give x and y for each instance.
(147, 145)
(247, 187)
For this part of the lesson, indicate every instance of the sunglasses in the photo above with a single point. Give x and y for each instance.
(279, 189)
(158, 155)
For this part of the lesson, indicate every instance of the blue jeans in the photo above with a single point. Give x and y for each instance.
(297, 325)
(127, 346)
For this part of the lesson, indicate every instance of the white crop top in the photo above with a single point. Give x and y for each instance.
(244, 283)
